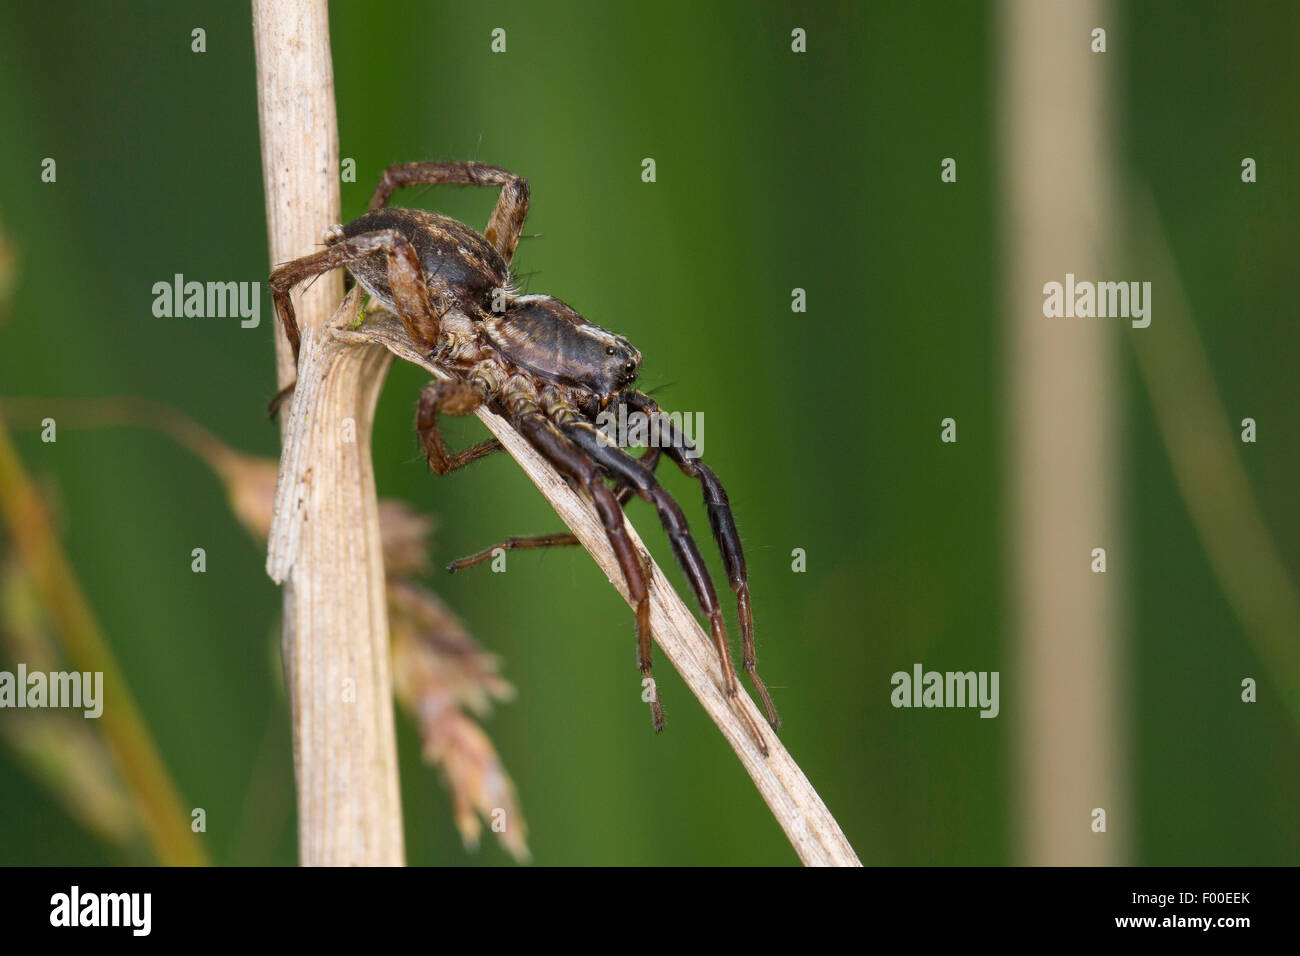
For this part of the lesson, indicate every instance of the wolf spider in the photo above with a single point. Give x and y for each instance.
(536, 362)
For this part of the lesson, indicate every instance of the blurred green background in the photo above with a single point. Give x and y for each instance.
(775, 171)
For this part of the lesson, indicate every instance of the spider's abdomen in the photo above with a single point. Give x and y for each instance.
(457, 261)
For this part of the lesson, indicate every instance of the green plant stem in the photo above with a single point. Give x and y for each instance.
(165, 820)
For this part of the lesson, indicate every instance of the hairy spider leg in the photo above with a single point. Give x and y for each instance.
(624, 494)
(513, 544)
(505, 225)
(724, 533)
(411, 294)
(282, 396)
(451, 398)
(625, 469)
(569, 460)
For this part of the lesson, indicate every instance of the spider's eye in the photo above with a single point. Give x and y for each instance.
(630, 367)
(609, 350)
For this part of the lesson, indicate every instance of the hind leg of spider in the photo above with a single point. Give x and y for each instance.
(513, 544)
(283, 395)
(505, 225)
(687, 458)
(450, 398)
(572, 462)
(624, 494)
(415, 302)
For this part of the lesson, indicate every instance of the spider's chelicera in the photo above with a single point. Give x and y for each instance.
(539, 364)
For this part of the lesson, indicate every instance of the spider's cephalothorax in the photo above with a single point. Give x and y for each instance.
(539, 364)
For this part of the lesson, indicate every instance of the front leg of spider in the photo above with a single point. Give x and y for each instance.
(629, 472)
(723, 523)
(582, 369)
(570, 462)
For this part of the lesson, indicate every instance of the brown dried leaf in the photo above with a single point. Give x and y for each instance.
(438, 668)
